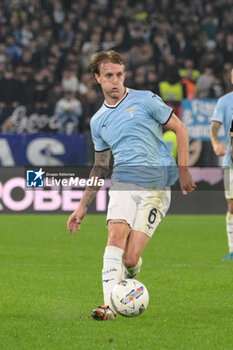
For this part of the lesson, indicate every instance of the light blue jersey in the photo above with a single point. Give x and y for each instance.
(132, 129)
(223, 113)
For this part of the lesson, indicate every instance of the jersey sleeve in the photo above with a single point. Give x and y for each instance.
(219, 111)
(157, 109)
(99, 143)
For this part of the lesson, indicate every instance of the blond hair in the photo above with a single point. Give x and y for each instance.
(102, 56)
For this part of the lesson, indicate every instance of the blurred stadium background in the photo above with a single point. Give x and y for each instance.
(181, 50)
(50, 281)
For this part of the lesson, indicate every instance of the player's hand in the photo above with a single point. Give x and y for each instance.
(219, 149)
(186, 181)
(75, 219)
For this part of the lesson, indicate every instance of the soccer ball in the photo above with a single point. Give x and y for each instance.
(130, 297)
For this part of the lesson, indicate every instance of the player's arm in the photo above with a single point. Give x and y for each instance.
(175, 124)
(100, 171)
(218, 147)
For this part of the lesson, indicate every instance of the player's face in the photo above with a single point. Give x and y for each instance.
(111, 79)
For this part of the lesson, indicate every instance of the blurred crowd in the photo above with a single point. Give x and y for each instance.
(178, 49)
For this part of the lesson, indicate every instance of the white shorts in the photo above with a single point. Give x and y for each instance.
(228, 183)
(141, 208)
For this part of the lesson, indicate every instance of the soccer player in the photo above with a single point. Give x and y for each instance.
(223, 115)
(129, 124)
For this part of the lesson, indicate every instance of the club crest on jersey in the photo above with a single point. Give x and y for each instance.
(131, 111)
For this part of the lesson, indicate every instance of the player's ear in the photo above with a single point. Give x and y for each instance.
(97, 78)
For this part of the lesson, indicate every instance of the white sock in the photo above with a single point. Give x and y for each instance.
(229, 222)
(112, 270)
(133, 271)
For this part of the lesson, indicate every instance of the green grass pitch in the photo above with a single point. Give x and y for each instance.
(50, 281)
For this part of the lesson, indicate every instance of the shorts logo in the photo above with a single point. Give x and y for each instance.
(35, 178)
(149, 226)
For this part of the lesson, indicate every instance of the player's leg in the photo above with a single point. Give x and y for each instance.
(229, 228)
(120, 210)
(132, 260)
(118, 231)
(152, 207)
(228, 184)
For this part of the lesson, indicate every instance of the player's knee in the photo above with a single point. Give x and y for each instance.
(230, 206)
(115, 239)
(230, 209)
(117, 234)
(130, 260)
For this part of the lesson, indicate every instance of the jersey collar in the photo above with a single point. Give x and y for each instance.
(114, 106)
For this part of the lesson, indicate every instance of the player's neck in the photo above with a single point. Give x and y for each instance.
(114, 101)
